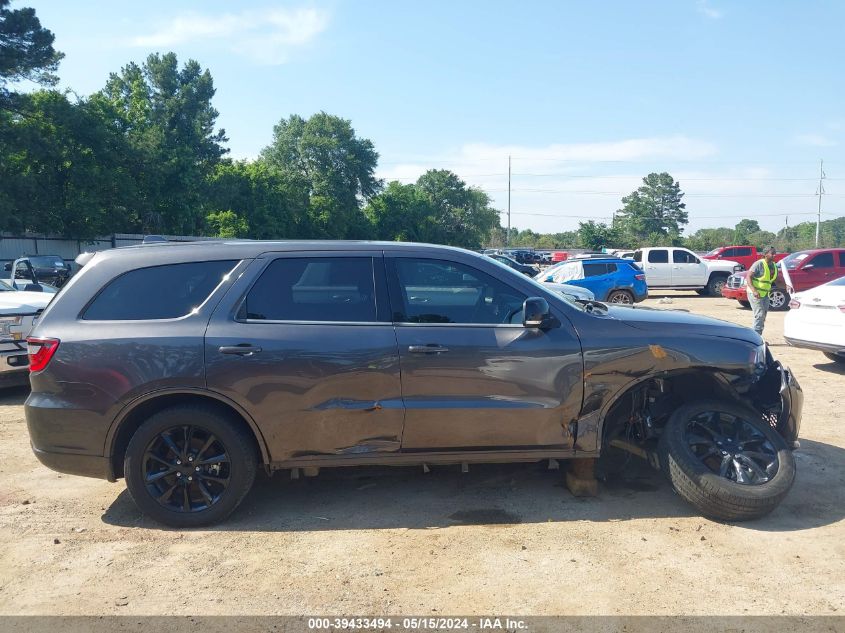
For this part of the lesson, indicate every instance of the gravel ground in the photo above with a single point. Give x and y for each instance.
(393, 541)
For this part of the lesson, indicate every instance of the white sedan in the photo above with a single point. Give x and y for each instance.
(816, 320)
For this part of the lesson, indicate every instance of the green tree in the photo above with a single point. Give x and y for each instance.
(323, 157)
(226, 224)
(404, 213)
(656, 208)
(597, 235)
(272, 207)
(462, 216)
(26, 51)
(166, 115)
(743, 230)
(62, 169)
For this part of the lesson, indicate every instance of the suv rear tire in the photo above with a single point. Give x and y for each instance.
(739, 469)
(620, 296)
(190, 465)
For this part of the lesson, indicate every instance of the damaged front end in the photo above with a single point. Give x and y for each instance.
(779, 397)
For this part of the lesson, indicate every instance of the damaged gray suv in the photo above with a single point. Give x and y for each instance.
(186, 367)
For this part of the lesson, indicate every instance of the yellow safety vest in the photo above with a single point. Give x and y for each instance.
(764, 284)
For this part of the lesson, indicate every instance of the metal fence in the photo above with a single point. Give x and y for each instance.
(14, 246)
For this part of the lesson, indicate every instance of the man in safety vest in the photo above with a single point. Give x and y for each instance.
(759, 280)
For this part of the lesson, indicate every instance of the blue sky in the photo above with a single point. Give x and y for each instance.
(738, 100)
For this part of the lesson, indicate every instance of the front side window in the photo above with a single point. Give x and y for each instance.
(842, 258)
(339, 289)
(158, 292)
(683, 257)
(436, 291)
(822, 260)
(658, 256)
(729, 252)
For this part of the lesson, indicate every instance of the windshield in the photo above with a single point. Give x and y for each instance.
(715, 251)
(792, 261)
(47, 261)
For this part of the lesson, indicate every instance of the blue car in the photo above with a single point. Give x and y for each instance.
(611, 279)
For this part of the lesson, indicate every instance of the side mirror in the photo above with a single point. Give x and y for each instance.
(536, 312)
(7, 266)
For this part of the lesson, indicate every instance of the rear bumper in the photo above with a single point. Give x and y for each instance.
(821, 347)
(73, 464)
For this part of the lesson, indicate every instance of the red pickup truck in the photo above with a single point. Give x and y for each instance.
(745, 255)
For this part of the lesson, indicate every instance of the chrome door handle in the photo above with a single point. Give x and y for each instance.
(431, 348)
(244, 349)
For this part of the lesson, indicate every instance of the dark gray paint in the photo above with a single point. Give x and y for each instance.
(352, 393)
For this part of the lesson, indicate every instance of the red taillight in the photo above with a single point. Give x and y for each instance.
(40, 351)
(794, 304)
(639, 277)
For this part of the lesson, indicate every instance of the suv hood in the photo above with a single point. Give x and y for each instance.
(678, 322)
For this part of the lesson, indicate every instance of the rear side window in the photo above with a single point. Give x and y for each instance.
(339, 289)
(594, 270)
(842, 258)
(660, 256)
(745, 251)
(158, 292)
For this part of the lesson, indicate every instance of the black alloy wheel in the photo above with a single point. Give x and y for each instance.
(731, 447)
(190, 464)
(726, 459)
(186, 469)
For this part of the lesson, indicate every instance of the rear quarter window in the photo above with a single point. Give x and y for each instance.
(158, 292)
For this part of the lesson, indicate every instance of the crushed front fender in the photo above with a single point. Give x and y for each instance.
(780, 398)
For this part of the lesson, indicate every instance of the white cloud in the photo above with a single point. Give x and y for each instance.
(814, 140)
(556, 186)
(704, 8)
(265, 36)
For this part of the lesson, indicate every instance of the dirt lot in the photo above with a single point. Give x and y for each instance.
(500, 539)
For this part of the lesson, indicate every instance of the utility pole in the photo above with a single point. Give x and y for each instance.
(820, 193)
(508, 237)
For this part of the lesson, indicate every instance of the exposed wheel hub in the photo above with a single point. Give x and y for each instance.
(186, 469)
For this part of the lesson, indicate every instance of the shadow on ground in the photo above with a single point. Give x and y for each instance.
(497, 494)
(831, 367)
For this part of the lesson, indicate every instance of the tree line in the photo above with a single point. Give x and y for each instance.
(144, 154)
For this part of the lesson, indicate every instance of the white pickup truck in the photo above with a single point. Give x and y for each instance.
(674, 268)
(18, 311)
